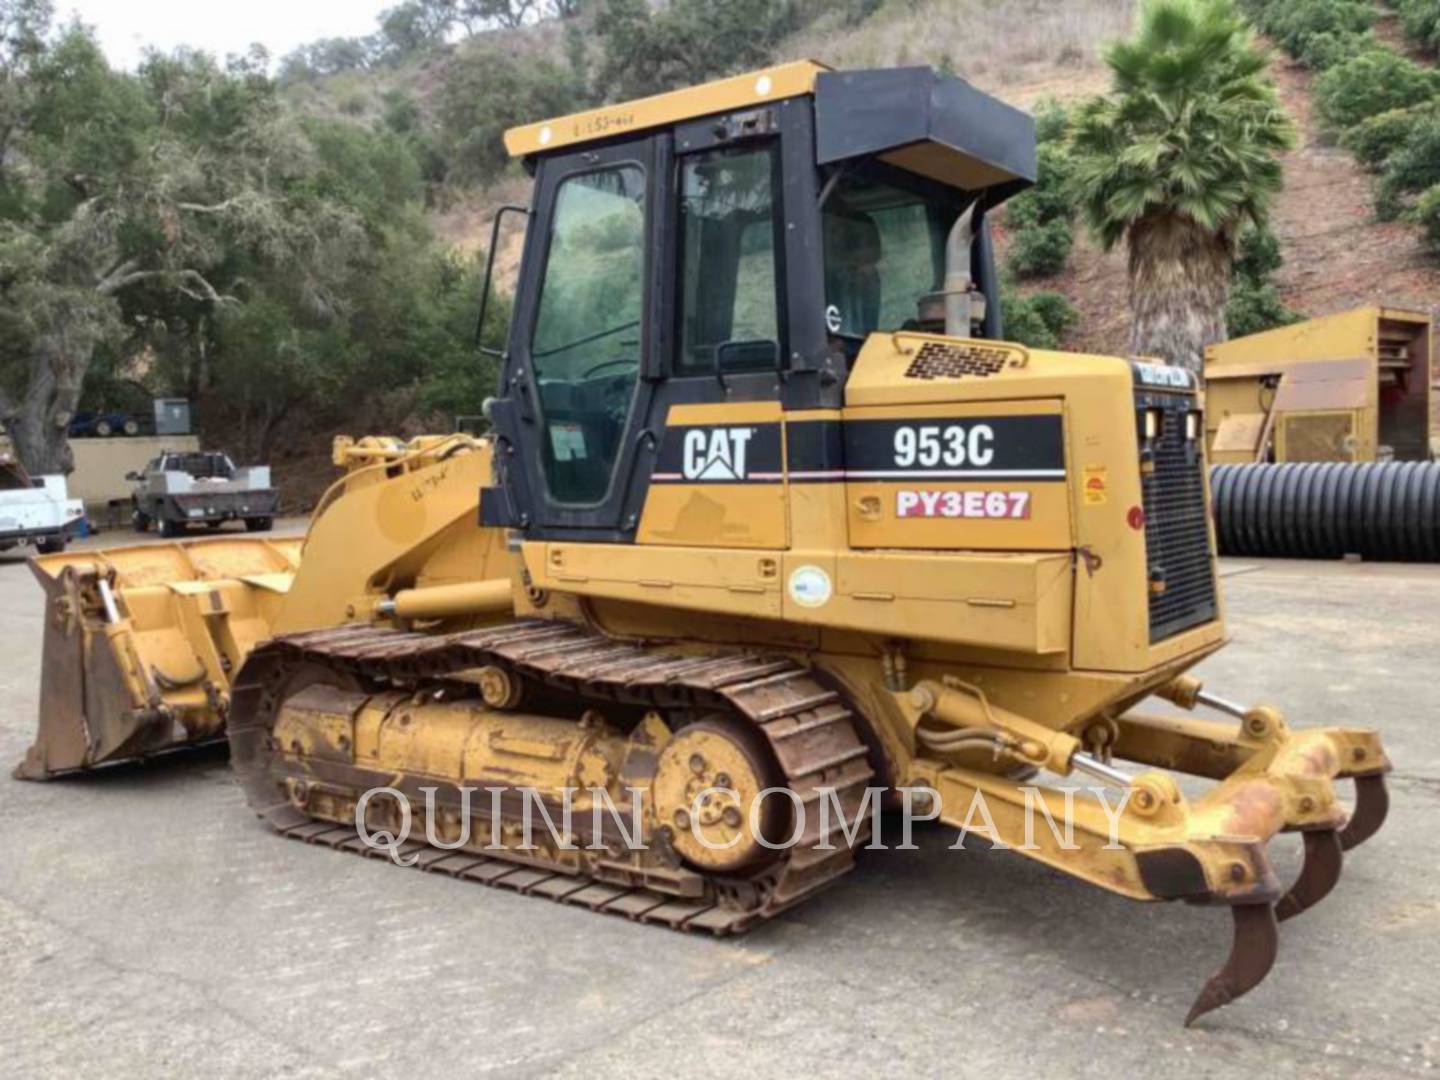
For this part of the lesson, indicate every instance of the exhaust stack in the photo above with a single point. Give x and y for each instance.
(958, 282)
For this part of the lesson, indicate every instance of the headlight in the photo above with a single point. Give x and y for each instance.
(1152, 423)
(195, 512)
(1192, 425)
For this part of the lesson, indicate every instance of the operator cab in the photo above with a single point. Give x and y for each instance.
(734, 242)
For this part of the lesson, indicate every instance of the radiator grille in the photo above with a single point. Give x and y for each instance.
(937, 361)
(1177, 534)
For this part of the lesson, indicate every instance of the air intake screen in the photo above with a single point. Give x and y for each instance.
(939, 361)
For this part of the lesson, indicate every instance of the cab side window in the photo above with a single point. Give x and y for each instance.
(586, 344)
(730, 304)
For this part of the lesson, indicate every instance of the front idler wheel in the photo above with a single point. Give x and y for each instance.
(707, 794)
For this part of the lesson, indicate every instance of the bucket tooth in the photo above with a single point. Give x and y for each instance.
(1324, 859)
(1372, 803)
(1257, 938)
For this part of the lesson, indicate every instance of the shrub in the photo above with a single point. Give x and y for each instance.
(1052, 121)
(1413, 168)
(1293, 24)
(1427, 215)
(1373, 141)
(1056, 312)
(1040, 250)
(1254, 307)
(1259, 255)
(1040, 320)
(1369, 84)
(1321, 52)
(1050, 199)
(1022, 212)
(1262, 13)
(1039, 218)
(1420, 22)
(1051, 193)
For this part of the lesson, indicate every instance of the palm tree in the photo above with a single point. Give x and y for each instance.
(1178, 159)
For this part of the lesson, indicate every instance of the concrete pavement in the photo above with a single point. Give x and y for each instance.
(150, 926)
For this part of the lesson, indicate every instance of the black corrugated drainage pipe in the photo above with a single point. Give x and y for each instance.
(1388, 511)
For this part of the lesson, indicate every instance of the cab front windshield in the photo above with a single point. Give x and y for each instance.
(884, 253)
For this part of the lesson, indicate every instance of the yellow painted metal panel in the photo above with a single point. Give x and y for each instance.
(701, 579)
(964, 516)
(1011, 602)
(710, 514)
(714, 515)
(1349, 333)
(724, 412)
(1374, 360)
(886, 373)
(660, 110)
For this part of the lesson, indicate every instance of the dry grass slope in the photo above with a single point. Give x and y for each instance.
(1020, 50)
(1337, 255)
(1017, 49)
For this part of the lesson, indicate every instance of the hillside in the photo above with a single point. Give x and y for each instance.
(1031, 50)
(298, 255)
(1337, 255)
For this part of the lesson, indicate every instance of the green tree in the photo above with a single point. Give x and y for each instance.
(487, 89)
(74, 136)
(1176, 160)
(647, 51)
(180, 231)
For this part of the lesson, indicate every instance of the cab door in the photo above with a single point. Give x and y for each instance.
(580, 370)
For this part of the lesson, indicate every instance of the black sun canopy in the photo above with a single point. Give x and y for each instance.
(935, 125)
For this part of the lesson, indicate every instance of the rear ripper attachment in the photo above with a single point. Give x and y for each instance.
(321, 718)
(1161, 845)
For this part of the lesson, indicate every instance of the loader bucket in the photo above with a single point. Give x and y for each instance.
(141, 643)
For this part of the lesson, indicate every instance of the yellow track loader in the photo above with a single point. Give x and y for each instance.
(773, 526)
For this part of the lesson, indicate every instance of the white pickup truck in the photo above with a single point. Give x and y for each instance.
(36, 510)
(183, 488)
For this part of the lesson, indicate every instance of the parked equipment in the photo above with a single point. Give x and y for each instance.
(1349, 387)
(34, 510)
(102, 425)
(769, 505)
(1303, 425)
(178, 490)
